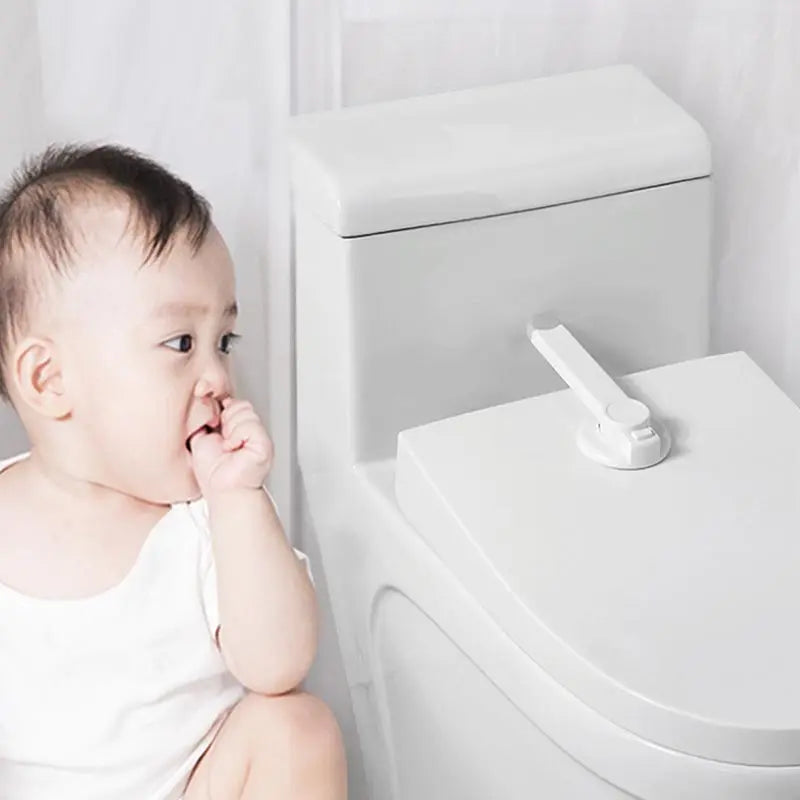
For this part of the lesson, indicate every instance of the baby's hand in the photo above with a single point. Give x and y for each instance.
(239, 457)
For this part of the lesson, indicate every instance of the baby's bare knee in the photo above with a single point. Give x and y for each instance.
(299, 725)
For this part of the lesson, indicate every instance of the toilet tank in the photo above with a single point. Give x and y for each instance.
(430, 230)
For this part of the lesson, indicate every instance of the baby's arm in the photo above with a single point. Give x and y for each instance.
(267, 606)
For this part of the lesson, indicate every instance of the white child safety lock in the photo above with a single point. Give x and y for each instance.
(622, 433)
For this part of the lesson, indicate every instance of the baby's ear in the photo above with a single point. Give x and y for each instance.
(36, 370)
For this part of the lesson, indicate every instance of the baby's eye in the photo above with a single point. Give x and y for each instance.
(185, 342)
(231, 339)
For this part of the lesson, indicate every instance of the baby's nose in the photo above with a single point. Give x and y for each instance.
(213, 375)
(216, 387)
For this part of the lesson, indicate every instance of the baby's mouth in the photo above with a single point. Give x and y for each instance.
(205, 429)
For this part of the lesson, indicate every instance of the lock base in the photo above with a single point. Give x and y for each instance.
(597, 447)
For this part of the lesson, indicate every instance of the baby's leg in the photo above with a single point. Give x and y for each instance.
(282, 747)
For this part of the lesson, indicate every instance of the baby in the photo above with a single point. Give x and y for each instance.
(154, 620)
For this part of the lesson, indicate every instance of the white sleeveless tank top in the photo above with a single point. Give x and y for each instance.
(118, 694)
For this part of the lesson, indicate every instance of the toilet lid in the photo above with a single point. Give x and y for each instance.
(666, 598)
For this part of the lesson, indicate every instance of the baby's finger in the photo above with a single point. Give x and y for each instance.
(232, 402)
(235, 410)
(237, 417)
(241, 431)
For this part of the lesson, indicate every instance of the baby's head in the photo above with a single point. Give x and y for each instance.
(117, 301)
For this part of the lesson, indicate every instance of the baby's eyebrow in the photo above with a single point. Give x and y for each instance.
(184, 309)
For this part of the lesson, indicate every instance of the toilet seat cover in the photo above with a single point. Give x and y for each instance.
(665, 598)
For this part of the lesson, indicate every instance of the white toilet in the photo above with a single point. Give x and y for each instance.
(518, 620)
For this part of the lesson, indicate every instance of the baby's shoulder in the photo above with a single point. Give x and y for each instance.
(20, 519)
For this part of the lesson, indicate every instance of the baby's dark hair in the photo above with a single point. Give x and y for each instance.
(37, 225)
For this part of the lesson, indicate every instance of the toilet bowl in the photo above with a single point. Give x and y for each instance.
(515, 619)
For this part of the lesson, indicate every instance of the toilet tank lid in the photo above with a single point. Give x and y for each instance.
(492, 150)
